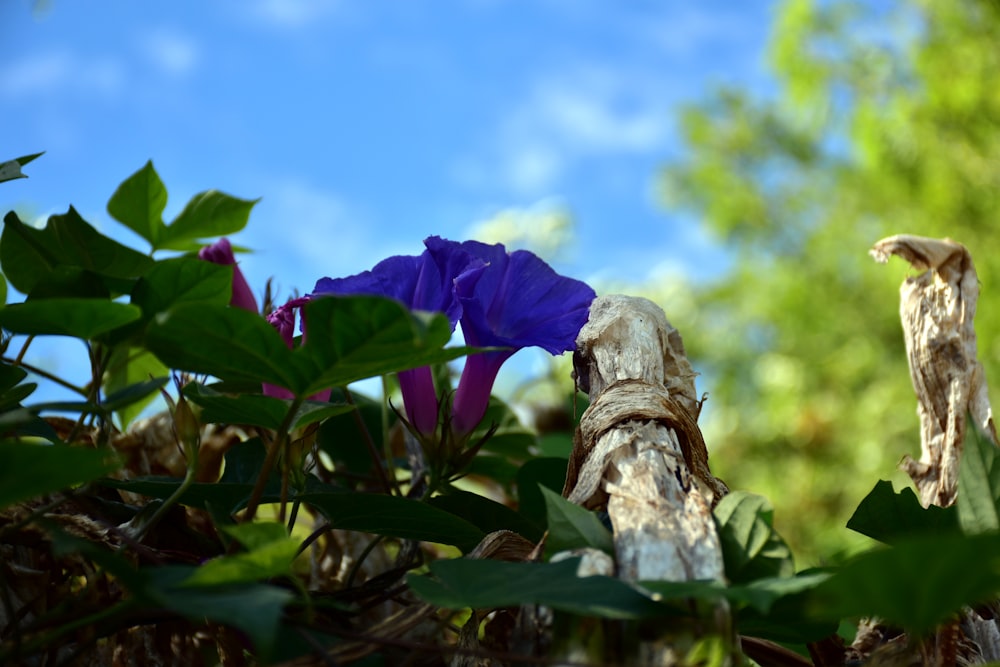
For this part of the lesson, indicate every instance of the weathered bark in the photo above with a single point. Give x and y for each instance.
(937, 308)
(639, 452)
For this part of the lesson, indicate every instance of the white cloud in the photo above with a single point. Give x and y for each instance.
(41, 73)
(58, 72)
(303, 233)
(580, 113)
(531, 167)
(598, 119)
(171, 52)
(691, 30)
(292, 13)
(596, 109)
(546, 228)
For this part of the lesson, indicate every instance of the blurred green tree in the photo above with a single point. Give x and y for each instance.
(884, 118)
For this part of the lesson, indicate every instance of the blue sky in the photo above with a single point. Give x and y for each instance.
(366, 126)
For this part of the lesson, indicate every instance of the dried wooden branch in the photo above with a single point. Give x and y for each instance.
(937, 308)
(639, 452)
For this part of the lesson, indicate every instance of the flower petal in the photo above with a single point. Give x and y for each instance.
(520, 301)
(221, 252)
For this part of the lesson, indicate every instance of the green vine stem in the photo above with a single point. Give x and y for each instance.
(34, 370)
(273, 450)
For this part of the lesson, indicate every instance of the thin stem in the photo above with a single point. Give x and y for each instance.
(285, 472)
(387, 486)
(313, 536)
(349, 582)
(103, 417)
(161, 511)
(269, 460)
(24, 349)
(293, 515)
(93, 389)
(34, 370)
(390, 465)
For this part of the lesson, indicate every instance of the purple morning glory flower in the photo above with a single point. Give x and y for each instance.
(221, 252)
(425, 282)
(283, 320)
(518, 301)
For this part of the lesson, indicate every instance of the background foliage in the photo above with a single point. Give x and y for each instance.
(885, 119)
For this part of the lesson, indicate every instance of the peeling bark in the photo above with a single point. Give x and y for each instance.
(640, 454)
(937, 309)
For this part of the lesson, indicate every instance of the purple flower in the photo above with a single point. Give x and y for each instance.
(518, 301)
(221, 252)
(283, 319)
(425, 282)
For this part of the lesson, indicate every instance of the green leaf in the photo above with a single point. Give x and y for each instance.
(762, 594)
(232, 344)
(371, 513)
(11, 376)
(11, 398)
(341, 437)
(112, 403)
(394, 517)
(510, 439)
(750, 546)
(383, 337)
(130, 395)
(788, 604)
(257, 410)
(208, 214)
(230, 494)
(79, 318)
(256, 609)
(25, 159)
(350, 339)
(130, 367)
(499, 469)
(917, 584)
(888, 516)
(26, 423)
(488, 584)
(257, 535)
(11, 169)
(538, 472)
(244, 462)
(28, 255)
(557, 445)
(182, 280)
(978, 486)
(270, 553)
(487, 515)
(138, 204)
(70, 282)
(28, 470)
(573, 527)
